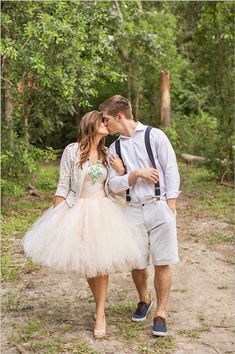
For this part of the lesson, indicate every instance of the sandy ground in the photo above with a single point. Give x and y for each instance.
(201, 311)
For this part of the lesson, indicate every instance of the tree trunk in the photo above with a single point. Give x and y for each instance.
(137, 104)
(77, 114)
(165, 99)
(118, 10)
(139, 4)
(129, 82)
(8, 107)
(26, 110)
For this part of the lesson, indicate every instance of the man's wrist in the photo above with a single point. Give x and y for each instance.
(172, 204)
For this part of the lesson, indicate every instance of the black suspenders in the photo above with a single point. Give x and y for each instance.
(118, 152)
(151, 158)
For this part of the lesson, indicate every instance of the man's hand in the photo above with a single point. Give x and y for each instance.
(117, 165)
(172, 205)
(150, 175)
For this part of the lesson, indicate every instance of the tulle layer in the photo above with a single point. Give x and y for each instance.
(94, 237)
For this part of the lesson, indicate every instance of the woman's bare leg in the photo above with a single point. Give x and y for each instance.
(99, 287)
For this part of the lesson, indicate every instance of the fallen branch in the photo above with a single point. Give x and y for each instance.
(191, 158)
(225, 260)
(210, 346)
(227, 184)
(218, 326)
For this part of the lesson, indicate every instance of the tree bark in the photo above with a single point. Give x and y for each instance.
(139, 4)
(129, 82)
(77, 114)
(137, 104)
(118, 10)
(8, 107)
(165, 99)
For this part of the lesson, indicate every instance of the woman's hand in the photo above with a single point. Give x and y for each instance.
(58, 200)
(117, 165)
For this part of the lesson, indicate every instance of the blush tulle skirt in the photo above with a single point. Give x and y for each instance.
(92, 238)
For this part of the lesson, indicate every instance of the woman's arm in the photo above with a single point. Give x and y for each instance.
(117, 165)
(65, 178)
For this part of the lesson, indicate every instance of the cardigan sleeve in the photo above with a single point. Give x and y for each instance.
(65, 174)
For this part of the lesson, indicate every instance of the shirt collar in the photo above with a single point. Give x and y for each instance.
(139, 127)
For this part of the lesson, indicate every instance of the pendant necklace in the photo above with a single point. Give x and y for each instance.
(95, 171)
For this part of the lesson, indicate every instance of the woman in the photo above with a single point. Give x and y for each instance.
(85, 231)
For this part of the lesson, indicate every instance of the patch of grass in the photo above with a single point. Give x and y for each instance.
(204, 328)
(30, 284)
(37, 337)
(80, 348)
(191, 333)
(129, 330)
(159, 346)
(216, 239)
(201, 317)
(121, 309)
(122, 293)
(194, 333)
(173, 311)
(84, 348)
(207, 196)
(12, 301)
(119, 315)
(9, 271)
(222, 287)
(47, 178)
(30, 267)
(182, 291)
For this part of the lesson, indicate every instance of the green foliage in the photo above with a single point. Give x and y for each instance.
(9, 272)
(215, 200)
(59, 63)
(206, 39)
(19, 164)
(197, 134)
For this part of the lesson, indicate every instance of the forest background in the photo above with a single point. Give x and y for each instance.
(63, 58)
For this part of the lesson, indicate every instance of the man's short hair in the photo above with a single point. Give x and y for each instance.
(117, 104)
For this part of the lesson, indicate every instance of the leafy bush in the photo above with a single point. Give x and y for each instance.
(20, 163)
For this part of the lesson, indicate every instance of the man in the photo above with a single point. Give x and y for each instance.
(156, 216)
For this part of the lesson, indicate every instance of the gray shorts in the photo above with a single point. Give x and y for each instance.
(158, 227)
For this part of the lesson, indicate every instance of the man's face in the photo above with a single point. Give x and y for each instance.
(112, 123)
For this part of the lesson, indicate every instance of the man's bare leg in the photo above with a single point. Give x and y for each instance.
(140, 278)
(162, 283)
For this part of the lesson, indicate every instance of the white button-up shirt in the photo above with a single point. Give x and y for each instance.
(135, 156)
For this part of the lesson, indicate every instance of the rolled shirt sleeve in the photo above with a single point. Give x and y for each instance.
(116, 183)
(167, 159)
(65, 175)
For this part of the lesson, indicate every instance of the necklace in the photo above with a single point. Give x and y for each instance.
(95, 171)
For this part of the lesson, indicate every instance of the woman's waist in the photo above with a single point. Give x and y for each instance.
(93, 194)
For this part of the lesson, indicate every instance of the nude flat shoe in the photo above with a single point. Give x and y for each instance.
(100, 333)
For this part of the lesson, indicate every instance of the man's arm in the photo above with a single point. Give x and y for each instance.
(119, 183)
(167, 159)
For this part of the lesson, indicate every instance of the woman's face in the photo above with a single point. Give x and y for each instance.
(102, 130)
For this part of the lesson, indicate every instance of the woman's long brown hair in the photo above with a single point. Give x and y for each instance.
(88, 128)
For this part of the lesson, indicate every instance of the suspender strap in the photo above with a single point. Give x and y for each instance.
(118, 152)
(151, 158)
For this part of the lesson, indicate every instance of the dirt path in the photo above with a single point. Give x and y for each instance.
(49, 312)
